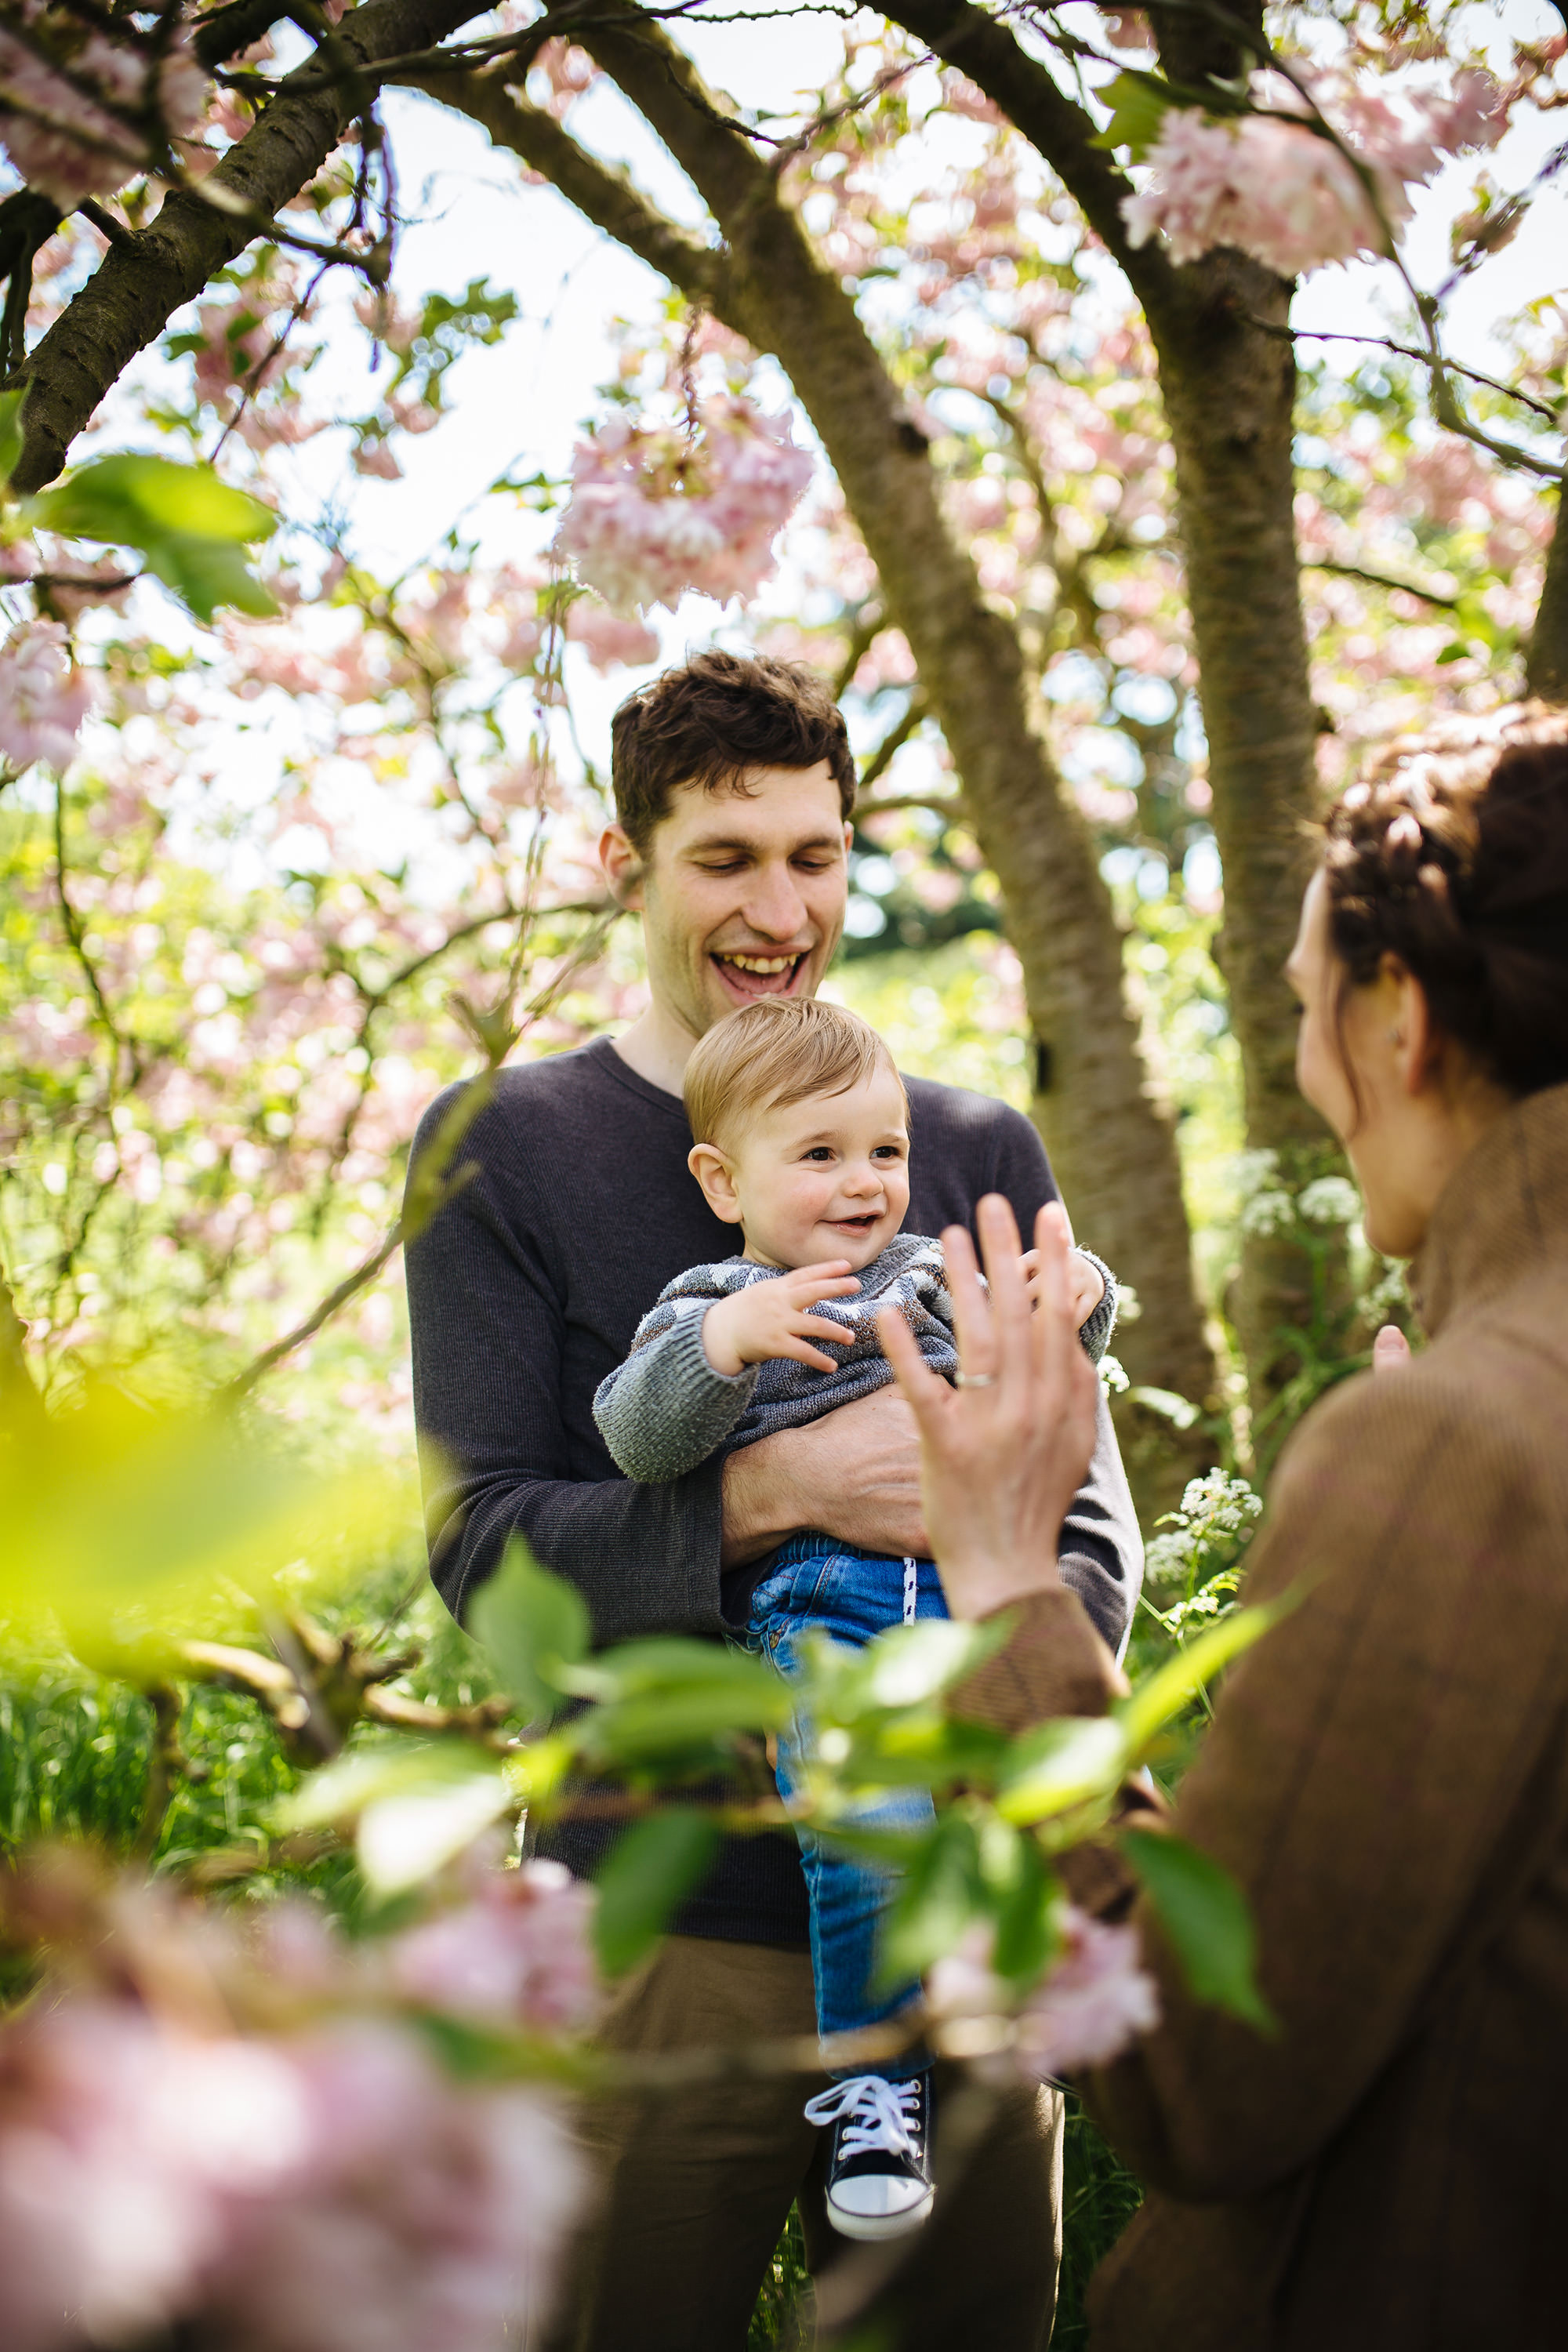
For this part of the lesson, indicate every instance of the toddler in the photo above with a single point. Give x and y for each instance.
(802, 1141)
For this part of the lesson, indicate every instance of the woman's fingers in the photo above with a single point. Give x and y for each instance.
(1390, 1349)
(971, 1308)
(1054, 1329)
(1010, 1310)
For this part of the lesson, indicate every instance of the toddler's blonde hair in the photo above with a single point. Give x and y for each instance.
(779, 1051)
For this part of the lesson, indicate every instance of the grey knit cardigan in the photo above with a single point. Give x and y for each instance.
(666, 1409)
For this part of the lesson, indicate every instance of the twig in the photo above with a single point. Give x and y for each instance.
(1401, 350)
(1384, 580)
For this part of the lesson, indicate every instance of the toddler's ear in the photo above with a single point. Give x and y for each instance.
(717, 1177)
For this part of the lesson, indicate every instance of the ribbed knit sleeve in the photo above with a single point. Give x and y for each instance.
(1095, 1330)
(664, 1409)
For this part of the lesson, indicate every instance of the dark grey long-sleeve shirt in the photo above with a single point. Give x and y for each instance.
(526, 1291)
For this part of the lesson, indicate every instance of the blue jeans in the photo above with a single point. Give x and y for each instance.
(816, 1586)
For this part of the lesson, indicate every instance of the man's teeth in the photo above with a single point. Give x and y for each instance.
(761, 963)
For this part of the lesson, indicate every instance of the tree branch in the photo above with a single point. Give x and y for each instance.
(601, 193)
(143, 281)
(1382, 580)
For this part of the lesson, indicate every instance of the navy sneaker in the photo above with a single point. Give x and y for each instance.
(879, 2180)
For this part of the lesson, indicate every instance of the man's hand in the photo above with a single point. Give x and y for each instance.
(775, 1319)
(856, 1473)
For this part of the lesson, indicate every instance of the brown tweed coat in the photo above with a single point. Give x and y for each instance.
(1387, 1778)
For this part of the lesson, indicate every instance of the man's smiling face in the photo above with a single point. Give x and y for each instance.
(742, 893)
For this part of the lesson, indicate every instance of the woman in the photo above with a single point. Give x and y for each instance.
(1387, 1773)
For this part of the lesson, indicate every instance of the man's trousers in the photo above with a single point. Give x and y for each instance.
(694, 2188)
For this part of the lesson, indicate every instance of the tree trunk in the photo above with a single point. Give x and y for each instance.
(1229, 395)
(1228, 388)
(1546, 667)
(1112, 1142)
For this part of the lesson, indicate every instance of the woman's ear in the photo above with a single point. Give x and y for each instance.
(717, 1177)
(1416, 1040)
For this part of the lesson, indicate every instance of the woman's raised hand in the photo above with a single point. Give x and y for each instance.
(1004, 1453)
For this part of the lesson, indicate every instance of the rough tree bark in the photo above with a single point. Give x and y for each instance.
(1112, 1141)
(146, 276)
(1228, 387)
(1546, 665)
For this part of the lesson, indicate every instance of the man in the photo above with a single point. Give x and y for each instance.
(733, 784)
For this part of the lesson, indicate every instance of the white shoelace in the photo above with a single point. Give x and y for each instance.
(879, 2114)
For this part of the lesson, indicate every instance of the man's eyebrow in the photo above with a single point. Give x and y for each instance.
(710, 841)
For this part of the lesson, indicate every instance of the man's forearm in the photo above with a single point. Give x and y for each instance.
(645, 1559)
(761, 1500)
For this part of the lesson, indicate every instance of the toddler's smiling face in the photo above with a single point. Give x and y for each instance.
(823, 1178)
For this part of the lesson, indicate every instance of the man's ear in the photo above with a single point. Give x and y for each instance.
(717, 1177)
(623, 867)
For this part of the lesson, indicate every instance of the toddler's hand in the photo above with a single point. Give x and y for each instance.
(1086, 1285)
(775, 1319)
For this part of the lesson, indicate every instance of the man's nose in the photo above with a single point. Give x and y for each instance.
(774, 905)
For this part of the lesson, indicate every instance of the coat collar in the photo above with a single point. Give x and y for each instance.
(1503, 1210)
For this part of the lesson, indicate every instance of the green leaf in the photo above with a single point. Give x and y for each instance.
(206, 572)
(908, 1666)
(647, 1873)
(415, 1804)
(190, 526)
(132, 500)
(1138, 103)
(1061, 1764)
(1205, 1914)
(534, 1625)
(1179, 1410)
(942, 1892)
(669, 1726)
(10, 433)
(1166, 1692)
(1028, 1919)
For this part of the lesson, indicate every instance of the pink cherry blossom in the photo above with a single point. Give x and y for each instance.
(610, 642)
(1277, 190)
(420, 2217)
(1086, 2010)
(118, 2141)
(1092, 2003)
(52, 103)
(374, 458)
(653, 514)
(1289, 196)
(43, 697)
(519, 1954)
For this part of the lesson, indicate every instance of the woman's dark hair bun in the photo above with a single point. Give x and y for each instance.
(1452, 855)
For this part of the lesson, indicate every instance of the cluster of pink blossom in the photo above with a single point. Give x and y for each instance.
(1281, 190)
(254, 2139)
(516, 1950)
(654, 513)
(44, 697)
(69, 115)
(1089, 2007)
